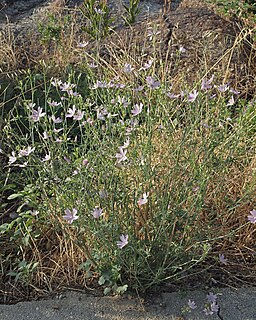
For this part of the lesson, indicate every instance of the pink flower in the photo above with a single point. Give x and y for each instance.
(56, 82)
(70, 216)
(97, 212)
(182, 49)
(26, 152)
(126, 144)
(67, 159)
(56, 120)
(54, 103)
(12, 158)
(90, 121)
(92, 65)
(82, 44)
(252, 217)
(208, 312)
(152, 33)
(152, 83)
(214, 307)
(139, 88)
(223, 87)
(148, 64)
(128, 68)
(73, 93)
(71, 112)
(212, 298)
(75, 172)
(223, 259)
(191, 304)
(231, 101)
(123, 241)
(85, 162)
(45, 135)
(137, 109)
(143, 200)
(23, 165)
(66, 86)
(234, 91)
(99, 84)
(47, 157)
(121, 156)
(79, 115)
(101, 113)
(172, 95)
(58, 130)
(37, 114)
(122, 101)
(206, 84)
(192, 96)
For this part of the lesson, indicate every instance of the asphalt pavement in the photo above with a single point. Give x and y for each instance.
(224, 304)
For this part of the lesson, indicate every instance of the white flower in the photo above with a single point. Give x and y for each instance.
(47, 157)
(137, 109)
(71, 112)
(143, 200)
(12, 158)
(26, 152)
(97, 212)
(45, 135)
(121, 156)
(123, 241)
(79, 115)
(56, 120)
(128, 68)
(37, 114)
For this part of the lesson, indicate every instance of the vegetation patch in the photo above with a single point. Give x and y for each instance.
(118, 173)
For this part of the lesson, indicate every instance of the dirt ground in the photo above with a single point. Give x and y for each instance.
(192, 25)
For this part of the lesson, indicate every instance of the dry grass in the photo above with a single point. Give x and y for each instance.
(8, 54)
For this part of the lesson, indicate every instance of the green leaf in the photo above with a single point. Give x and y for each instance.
(121, 289)
(14, 196)
(102, 280)
(107, 291)
(7, 187)
(12, 274)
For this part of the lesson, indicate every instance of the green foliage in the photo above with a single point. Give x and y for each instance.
(65, 148)
(245, 9)
(97, 16)
(52, 30)
(131, 11)
(24, 271)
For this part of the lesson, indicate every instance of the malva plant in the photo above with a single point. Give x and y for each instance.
(131, 179)
(121, 174)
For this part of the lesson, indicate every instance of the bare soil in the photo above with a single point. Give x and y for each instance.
(190, 24)
(208, 38)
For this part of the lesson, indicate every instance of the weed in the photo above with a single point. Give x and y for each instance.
(97, 15)
(119, 172)
(245, 10)
(104, 184)
(131, 11)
